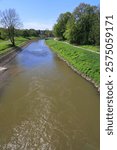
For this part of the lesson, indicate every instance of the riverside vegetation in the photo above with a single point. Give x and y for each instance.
(82, 28)
(88, 63)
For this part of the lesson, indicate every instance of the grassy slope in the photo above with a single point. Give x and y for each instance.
(84, 61)
(5, 45)
(91, 47)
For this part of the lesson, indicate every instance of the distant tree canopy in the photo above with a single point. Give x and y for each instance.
(26, 33)
(80, 27)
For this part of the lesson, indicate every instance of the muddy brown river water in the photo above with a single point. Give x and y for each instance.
(45, 105)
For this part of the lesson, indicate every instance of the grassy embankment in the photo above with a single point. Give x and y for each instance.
(87, 47)
(6, 45)
(84, 61)
(91, 47)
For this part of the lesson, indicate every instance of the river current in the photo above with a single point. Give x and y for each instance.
(45, 105)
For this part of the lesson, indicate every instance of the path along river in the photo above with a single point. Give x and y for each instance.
(45, 105)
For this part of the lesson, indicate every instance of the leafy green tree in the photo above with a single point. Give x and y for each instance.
(71, 31)
(94, 35)
(80, 27)
(87, 20)
(80, 10)
(18, 32)
(57, 31)
(26, 33)
(33, 32)
(60, 27)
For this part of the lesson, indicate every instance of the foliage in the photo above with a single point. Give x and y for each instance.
(27, 32)
(48, 33)
(60, 27)
(3, 34)
(70, 33)
(32, 32)
(80, 27)
(84, 61)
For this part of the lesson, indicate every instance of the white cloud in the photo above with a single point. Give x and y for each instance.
(37, 25)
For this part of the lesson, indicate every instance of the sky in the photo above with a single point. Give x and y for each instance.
(42, 14)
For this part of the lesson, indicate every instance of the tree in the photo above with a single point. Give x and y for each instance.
(80, 27)
(10, 20)
(48, 33)
(33, 32)
(25, 33)
(57, 31)
(80, 10)
(94, 35)
(71, 31)
(88, 23)
(60, 27)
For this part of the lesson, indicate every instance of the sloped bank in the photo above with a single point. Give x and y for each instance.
(6, 57)
(85, 63)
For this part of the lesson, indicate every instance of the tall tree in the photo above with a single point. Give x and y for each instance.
(94, 35)
(71, 31)
(60, 27)
(10, 20)
(87, 20)
(80, 27)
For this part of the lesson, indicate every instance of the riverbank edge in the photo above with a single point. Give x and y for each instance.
(75, 70)
(6, 57)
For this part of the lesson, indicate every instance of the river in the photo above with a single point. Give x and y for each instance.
(45, 105)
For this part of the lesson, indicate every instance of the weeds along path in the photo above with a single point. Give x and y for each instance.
(82, 48)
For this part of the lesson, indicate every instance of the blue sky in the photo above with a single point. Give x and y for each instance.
(41, 14)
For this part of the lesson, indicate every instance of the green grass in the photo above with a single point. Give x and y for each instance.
(20, 40)
(5, 45)
(84, 61)
(91, 47)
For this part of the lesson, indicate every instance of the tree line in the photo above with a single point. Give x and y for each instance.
(80, 27)
(11, 27)
(4, 35)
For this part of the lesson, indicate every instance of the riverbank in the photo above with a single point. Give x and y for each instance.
(10, 53)
(85, 63)
(5, 45)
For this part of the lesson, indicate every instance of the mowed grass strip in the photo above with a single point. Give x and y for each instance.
(84, 61)
(5, 45)
(91, 47)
